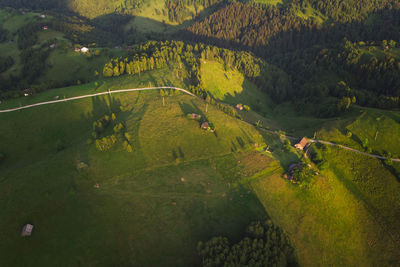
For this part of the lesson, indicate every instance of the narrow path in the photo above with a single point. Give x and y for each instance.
(186, 92)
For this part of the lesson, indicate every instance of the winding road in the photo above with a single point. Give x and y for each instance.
(186, 92)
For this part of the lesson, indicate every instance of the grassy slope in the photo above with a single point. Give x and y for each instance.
(230, 86)
(327, 224)
(131, 219)
(349, 216)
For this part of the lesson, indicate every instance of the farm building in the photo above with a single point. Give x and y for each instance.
(196, 116)
(239, 107)
(205, 125)
(27, 230)
(84, 49)
(301, 144)
(45, 27)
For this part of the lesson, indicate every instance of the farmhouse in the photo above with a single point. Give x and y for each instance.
(301, 144)
(27, 230)
(196, 116)
(205, 125)
(45, 27)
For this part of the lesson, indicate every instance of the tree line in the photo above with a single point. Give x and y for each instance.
(155, 55)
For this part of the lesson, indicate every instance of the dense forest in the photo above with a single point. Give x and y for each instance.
(264, 245)
(296, 44)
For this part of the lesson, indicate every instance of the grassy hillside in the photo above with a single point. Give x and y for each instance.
(152, 205)
(328, 225)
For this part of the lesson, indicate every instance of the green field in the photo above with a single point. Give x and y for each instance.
(181, 184)
(327, 224)
(142, 213)
(232, 87)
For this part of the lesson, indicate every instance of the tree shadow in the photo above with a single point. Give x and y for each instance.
(192, 108)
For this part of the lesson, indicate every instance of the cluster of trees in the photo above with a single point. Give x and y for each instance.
(105, 143)
(6, 63)
(27, 35)
(32, 57)
(178, 11)
(3, 34)
(348, 10)
(264, 245)
(373, 73)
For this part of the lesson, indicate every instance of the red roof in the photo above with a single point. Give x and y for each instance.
(303, 142)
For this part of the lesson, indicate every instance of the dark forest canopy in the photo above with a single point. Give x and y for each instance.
(295, 44)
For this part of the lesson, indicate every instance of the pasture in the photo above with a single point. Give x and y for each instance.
(151, 206)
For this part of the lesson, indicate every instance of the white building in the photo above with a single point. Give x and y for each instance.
(84, 49)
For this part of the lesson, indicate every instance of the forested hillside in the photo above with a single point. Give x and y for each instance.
(297, 36)
(174, 10)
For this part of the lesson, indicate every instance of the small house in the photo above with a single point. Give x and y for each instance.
(196, 116)
(27, 230)
(52, 46)
(301, 144)
(45, 27)
(28, 91)
(84, 49)
(205, 126)
(239, 107)
(43, 16)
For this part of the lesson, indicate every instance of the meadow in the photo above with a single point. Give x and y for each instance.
(181, 184)
(151, 207)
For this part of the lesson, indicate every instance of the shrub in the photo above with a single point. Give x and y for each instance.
(303, 174)
(118, 128)
(60, 145)
(127, 146)
(106, 143)
(246, 107)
